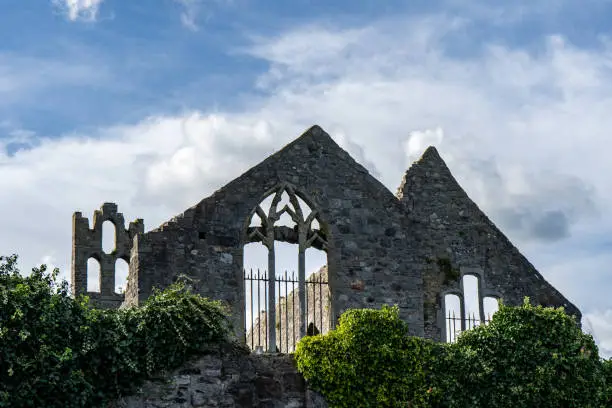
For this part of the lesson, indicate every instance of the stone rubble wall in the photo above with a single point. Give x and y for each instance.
(228, 377)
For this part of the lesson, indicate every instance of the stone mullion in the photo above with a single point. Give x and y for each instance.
(480, 301)
(273, 216)
(302, 283)
(462, 310)
(271, 294)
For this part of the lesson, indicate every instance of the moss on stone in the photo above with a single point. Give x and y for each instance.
(446, 267)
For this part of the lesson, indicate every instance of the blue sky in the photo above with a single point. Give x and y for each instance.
(153, 105)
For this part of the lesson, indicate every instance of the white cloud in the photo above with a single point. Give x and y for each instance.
(193, 10)
(599, 324)
(79, 10)
(419, 140)
(525, 133)
(190, 13)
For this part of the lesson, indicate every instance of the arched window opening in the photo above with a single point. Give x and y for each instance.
(122, 269)
(109, 243)
(471, 298)
(452, 311)
(282, 227)
(467, 309)
(490, 305)
(93, 275)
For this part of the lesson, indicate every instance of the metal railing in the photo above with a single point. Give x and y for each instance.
(454, 326)
(287, 309)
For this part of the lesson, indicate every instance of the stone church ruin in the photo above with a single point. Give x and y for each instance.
(417, 249)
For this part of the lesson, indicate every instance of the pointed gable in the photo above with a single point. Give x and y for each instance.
(429, 189)
(454, 228)
(369, 252)
(379, 246)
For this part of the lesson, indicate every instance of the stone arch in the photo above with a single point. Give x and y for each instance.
(122, 268)
(471, 286)
(94, 273)
(483, 292)
(490, 306)
(452, 315)
(109, 241)
(87, 242)
(309, 231)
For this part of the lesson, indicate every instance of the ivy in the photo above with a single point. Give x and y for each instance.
(56, 351)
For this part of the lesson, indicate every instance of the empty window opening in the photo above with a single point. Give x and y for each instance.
(285, 202)
(255, 221)
(491, 306)
(267, 203)
(122, 269)
(286, 257)
(315, 260)
(285, 220)
(108, 237)
(318, 297)
(306, 210)
(256, 290)
(267, 233)
(452, 306)
(472, 301)
(93, 275)
(314, 225)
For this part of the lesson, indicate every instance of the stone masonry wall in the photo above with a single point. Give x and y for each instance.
(228, 377)
(410, 249)
(457, 238)
(87, 243)
(370, 252)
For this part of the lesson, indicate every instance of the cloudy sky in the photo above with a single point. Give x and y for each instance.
(154, 105)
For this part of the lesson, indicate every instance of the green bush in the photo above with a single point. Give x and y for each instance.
(40, 325)
(525, 357)
(528, 356)
(368, 361)
(56, 351)
(607, 374)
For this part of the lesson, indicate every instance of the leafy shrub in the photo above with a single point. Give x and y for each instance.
(39, 328)
(56, 351)
(606, 366)
(368, 361)
(525, 357)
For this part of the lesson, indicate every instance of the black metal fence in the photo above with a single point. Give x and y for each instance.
(454, 327)
(287, 309)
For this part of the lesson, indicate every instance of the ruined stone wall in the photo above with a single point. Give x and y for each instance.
(228, 378)
(457, 238)
(87, 243)
(370, 248)
(288, 316)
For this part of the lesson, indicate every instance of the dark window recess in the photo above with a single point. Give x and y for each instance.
(202, 235)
